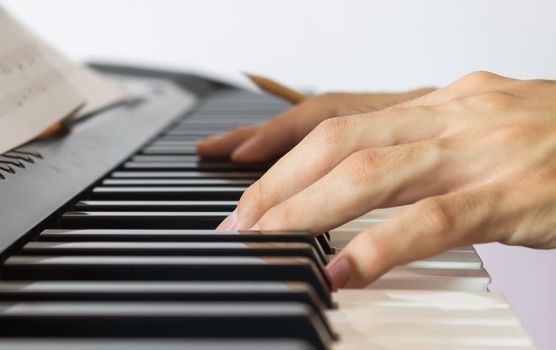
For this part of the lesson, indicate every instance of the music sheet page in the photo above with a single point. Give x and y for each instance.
(34, 94)
(39, 86)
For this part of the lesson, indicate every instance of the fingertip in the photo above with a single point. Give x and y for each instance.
(244, 153)
(229, 223)
(339, 271)
(206, 145)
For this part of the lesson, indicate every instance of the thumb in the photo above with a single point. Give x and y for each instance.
(273, 139)
(223, 145)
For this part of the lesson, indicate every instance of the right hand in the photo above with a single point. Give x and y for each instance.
(275, 137)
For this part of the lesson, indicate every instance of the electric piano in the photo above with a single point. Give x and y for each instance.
(108, 241)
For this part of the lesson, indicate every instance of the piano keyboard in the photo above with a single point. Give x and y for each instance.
(134, 262)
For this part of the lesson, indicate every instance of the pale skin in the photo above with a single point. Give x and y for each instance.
(475, 161)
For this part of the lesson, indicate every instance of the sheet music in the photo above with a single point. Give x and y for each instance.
(39, 86)
(33, 92)
(99, 91)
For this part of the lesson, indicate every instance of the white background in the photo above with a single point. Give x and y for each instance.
(333, 45)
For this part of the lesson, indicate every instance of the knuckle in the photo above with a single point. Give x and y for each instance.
(511, 133)
(331, 131)
(436, 215)
(478, 78)
(362, 166)
(253, 195)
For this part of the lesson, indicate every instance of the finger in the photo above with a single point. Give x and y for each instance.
(273, 139)
(329, 144)
(367, 179)
(426, 228)
(281, 133)
(220, 146)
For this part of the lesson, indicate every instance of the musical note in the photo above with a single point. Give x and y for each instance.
(34, 93)
(39, 86)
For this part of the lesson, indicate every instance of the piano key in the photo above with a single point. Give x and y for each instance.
(184, 143)
(189, 138)
(407, 278)
(142, 235)
(397, 319)
(177, 182)
(142, 219)
(165, 159)
(187, 174)
(275, 249)
(206, 206)
(168, 193)
(166, 320)
(340, 237)
(183, 150)
(216, 292)
(174, 143)
(199, 166)
(186, 131)
(200, 130)
(246, 112)
(325, 243)
(159, 291)
(149, 344)
(449, 260)
(168, 268)
(216, 123)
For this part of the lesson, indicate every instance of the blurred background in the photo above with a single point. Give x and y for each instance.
(332, 45)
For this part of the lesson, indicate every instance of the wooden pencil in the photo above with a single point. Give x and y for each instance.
(277, 89)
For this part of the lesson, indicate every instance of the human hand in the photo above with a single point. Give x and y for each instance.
(261, 142)
(477, 159)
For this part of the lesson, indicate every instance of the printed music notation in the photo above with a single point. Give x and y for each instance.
(39, 86)
(33, 91)
(24, 76)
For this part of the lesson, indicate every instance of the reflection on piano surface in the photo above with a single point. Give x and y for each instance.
(109, 243)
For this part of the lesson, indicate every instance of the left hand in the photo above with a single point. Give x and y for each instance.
(477, 158)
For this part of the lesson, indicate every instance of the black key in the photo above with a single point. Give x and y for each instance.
(206, 206)
(169, 150)
(155, 158)
(182, 150)
(276, 249)
(186, 174)
(185, 131)
(159, 291)
(324, 240)
(177, 182)
(216, 292)
(173, 143)
(192, 166)
(181, 236)
(213, 125)
(142, 219)
(169, 193)
(149, 344)
(168, 268)
(164, 320)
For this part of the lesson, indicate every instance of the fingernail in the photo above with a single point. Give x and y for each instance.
(229, 223)
(339, 270)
